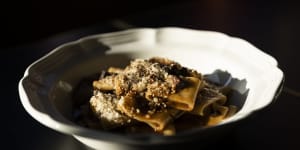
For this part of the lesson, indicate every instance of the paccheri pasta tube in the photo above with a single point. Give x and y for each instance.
(156, 92)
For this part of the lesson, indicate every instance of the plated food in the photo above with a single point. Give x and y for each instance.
(49, 84)
(157, 92)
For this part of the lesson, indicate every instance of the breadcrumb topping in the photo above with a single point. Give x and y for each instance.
(105, 108)
(148, 81)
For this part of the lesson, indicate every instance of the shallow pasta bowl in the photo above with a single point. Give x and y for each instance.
(48, 84)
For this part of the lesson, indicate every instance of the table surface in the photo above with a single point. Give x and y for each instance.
(273, 28)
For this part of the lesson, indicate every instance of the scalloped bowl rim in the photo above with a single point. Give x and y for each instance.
(78, 132)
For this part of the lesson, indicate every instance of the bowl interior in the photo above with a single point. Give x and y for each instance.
(56, 76)
(65, 71)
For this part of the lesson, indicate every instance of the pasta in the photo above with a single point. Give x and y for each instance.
(157, 92)
(186, 97)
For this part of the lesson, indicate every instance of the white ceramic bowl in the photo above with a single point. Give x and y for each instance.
(48, 84)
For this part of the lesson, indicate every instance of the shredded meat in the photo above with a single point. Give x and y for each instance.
(148, 77)
(149, 81)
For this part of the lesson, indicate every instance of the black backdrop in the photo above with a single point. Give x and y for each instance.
(30, 29)
(31, 20)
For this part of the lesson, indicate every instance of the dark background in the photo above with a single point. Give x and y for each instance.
(32, 20)
(30, 29)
